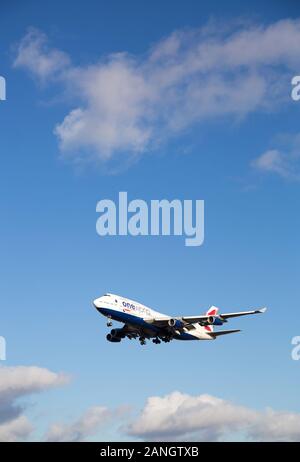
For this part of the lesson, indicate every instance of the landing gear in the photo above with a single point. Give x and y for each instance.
(109, 323)
(142, 341)
(156, 341)
(166, 339)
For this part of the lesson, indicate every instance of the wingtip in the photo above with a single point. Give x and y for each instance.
(263, 310)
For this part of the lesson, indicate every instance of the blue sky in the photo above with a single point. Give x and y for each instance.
(53, 263)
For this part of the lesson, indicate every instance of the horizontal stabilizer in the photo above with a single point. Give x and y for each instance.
(223, 332)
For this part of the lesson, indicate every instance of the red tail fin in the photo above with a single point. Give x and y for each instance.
(213, 311)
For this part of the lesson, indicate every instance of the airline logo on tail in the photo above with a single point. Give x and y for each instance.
(213, 311)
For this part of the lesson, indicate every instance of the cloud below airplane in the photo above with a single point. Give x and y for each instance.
(176, 416)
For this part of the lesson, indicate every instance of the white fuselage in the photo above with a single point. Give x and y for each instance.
(139, 316)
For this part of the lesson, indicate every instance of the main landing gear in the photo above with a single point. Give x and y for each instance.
(142, 341)
(156, 340)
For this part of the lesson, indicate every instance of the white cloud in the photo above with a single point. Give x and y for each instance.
(23, 380)
(284, 161)
(182, 417)
(34, 55)
(16, 383)
(88, 424)
(272, 161)
(276, 426)
(18, 429)
(174, 417)
(126, 105)
(179, 416)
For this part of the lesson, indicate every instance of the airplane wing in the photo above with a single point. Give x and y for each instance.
(203, 319)
(159, 322)
(222, 317)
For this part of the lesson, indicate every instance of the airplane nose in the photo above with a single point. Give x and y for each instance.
(96, 303)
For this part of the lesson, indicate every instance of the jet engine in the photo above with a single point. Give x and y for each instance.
(176, 323)
(214, 321)
(110, 338)
(117, 333)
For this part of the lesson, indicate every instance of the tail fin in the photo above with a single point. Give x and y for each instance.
(213, 311)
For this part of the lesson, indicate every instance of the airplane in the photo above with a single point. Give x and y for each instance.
(142, 322)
